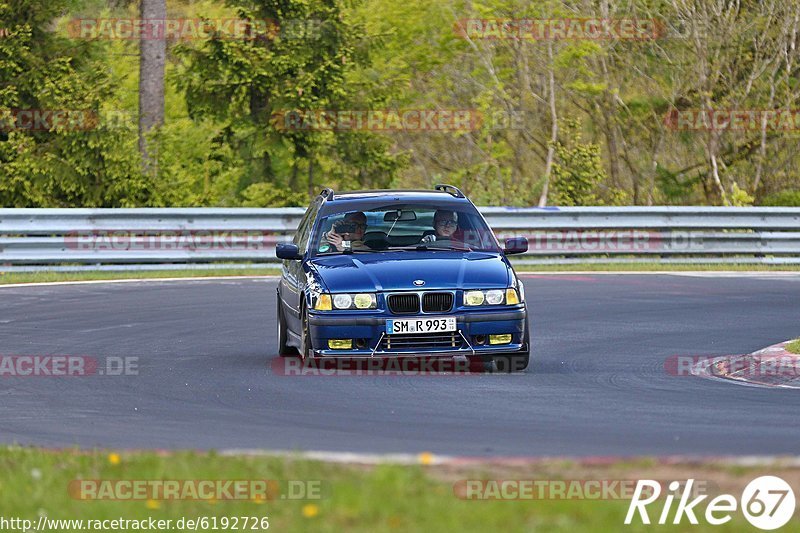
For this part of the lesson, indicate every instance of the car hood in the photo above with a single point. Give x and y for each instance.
(389, 271)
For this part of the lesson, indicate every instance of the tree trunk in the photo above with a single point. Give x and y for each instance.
(311, 177)
(553, 128)
(152, 52)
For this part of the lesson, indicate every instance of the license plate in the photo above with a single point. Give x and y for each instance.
(442, 324)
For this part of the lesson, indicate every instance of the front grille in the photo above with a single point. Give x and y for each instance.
(404, 304)
(436, 340)
(437, 302)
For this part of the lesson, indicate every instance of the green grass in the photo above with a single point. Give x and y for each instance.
(43, 277)
(355, 498)
(794, 346)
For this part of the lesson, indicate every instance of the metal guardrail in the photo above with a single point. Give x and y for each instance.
(61, 239)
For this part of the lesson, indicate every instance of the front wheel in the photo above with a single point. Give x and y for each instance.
(305, 350)
(512, 363)
(284, 350)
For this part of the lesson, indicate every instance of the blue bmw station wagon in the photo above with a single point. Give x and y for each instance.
(388, 273)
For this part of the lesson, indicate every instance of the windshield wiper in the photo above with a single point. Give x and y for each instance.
(351, 251)
(423, 247)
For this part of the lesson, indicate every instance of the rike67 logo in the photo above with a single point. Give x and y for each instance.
(767, 502)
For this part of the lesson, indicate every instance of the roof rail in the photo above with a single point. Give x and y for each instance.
(327, 193)
(455, 191)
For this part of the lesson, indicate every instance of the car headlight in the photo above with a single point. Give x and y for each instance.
(474, 298)
(494, 297)
(342, 301)
(363, 300)
(491, 297)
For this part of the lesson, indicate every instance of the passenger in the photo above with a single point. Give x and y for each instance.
(445, 225)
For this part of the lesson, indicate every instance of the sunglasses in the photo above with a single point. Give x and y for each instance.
(452, 223)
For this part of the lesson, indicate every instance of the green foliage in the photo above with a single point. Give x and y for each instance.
(222, 143)
(267, 195)
(248, 86)
(94, 166)
(783, 198)
(676, 189)
(577, 169)
(739, 197)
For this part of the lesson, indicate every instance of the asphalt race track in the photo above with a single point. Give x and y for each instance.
(597, 384)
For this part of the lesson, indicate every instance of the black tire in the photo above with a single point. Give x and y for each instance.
(507, 364)
(481, 363)
(284, 350)
(305, 351)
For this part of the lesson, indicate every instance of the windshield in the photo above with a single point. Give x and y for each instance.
(403, 227)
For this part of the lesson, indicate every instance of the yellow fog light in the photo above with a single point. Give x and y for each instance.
(341, 344)
(473, 298)
(511, 297)
(500, 339)
(323, 303)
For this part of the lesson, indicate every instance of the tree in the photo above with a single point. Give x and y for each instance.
(250, 85)
(577, 170)
(152, 58)
(86, 163)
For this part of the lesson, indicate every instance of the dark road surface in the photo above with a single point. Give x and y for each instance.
(596, 386)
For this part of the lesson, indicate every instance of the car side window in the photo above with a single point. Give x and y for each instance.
(301, 228)
(304, 230)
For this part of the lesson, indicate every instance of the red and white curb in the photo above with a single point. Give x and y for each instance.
(773, 367)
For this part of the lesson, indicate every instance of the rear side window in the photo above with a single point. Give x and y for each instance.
(304, 229)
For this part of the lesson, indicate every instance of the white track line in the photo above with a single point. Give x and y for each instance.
(134, 280)
(694, 273)
(429, 459)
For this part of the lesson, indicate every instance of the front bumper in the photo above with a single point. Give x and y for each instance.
(371, 327)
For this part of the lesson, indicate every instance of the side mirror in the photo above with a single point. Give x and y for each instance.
(287, 250)
(516, 245)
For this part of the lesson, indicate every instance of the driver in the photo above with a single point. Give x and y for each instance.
(348, 233)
